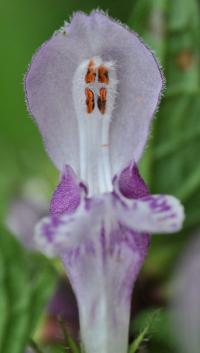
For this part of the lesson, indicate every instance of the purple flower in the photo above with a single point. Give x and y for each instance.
(93, 89)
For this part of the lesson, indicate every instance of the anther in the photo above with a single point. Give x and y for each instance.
(102, 98)
(94, 93)
(91, 73)
(89, 100)
(103, 74)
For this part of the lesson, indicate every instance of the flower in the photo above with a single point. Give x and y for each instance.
(93, 89)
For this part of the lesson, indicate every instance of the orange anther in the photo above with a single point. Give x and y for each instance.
(89, 100)
(91, 73)
(103, 74)
(102, 98)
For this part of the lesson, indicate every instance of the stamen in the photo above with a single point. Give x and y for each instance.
(103, 74)
(94, 98)
(102, 100)
(89, 100)
(91, 73)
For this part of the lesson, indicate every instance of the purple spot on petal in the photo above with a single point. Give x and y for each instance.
(131, 184)
(123, 238)
(157, 203)
(71, 256)
(66, 197)
(103, 243)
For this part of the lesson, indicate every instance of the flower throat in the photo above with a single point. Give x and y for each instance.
(94, 93)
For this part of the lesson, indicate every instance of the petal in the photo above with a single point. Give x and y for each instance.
(48, 86)
(153, 214)
(130, 184)
(102, 259)
(66, 198)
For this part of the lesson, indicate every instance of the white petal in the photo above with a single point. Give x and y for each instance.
(49, 81)
(102, 259)
(153, 214)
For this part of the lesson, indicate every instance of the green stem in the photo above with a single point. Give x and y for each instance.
(69, 341)
(34, 346)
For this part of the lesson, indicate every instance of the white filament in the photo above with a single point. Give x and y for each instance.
(94, 128)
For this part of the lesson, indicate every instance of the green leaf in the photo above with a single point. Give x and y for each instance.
(25, 287)
(147, 327)
(68, 339)
(34, 346)
(138, 341)
(18, 294)
(159, 326)
(43, 280)
(3, 299)
(182, 14)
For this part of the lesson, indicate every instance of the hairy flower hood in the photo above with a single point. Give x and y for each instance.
(76, 59)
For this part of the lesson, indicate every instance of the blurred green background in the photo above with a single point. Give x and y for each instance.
(170, 163)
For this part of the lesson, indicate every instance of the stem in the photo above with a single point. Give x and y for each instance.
(34, 346)
(68, 340)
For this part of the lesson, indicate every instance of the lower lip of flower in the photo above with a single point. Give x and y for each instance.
(94, 95)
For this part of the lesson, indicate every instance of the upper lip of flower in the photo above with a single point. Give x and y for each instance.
(58, 98)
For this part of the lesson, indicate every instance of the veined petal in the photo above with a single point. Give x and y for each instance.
(130, 184)
(103, 244)
(153, 214)
(67, 196)
(142, 211)
(53, 101)
(102, 259)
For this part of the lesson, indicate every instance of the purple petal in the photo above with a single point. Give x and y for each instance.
(148, 213)
(102, 259)
(102, 275)
(131, 184)
(152, 214)
(103, 245)
(66, 198)
(49, 81)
